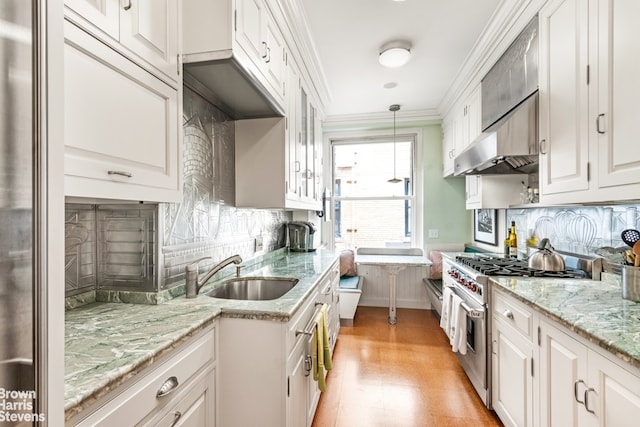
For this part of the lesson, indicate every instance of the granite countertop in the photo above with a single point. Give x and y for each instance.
(593, 309)
(107, 343)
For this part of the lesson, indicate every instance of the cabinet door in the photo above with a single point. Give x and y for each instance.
(614, 394)
(563, 376)
(293, 123)
(104, 14)
(616, 116)
(473, 117)
(473, 187)
(512, 393)
(150, 29)
(275, 57)
(564, 127)
(121, 126)
(447, 149)
(249, 28)
(297, 386)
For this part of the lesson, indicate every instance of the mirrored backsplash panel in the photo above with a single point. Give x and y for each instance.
(578, 229)
(144, 247)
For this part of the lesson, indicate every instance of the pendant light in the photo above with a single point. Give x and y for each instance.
(394, 108)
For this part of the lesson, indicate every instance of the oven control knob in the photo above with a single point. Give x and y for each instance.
(473, 287)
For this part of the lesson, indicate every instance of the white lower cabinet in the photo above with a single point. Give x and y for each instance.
(175, 391)
(512, 363)
(265, 367)
(557, 379)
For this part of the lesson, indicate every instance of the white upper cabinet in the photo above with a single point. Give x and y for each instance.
(122, 100)
(564, 125)
(588, 96)
(616, 116)
(493, 191)
(145, 31)
(122, 125)
(460, 128)
(242, 30)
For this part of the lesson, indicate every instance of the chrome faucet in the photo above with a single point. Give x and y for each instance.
(193, 280)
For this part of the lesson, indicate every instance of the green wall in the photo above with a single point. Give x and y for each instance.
(444, 199)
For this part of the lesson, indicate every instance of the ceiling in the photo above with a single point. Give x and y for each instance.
(348, 36)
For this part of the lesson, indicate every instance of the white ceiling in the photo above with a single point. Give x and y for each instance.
(348, 35)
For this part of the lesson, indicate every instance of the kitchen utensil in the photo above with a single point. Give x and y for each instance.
(636, 252)
(546, 258)
(629, 257)
(630, 236)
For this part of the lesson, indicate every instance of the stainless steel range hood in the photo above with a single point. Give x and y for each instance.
(230, 86)
(510, 147)
(509, 143)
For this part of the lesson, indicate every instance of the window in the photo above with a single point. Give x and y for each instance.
(370, 211)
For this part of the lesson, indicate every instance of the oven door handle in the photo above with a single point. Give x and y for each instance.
(476, 313)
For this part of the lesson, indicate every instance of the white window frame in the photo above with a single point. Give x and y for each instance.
(415, 134)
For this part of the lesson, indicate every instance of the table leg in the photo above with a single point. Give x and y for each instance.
(393, 285)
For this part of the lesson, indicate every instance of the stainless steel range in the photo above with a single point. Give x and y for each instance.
(468, 276)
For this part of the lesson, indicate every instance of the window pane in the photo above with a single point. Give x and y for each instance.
(371, 223)
(364, 169)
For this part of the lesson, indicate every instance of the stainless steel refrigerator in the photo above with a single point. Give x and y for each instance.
(18, 211)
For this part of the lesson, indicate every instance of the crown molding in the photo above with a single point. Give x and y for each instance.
(380, 119)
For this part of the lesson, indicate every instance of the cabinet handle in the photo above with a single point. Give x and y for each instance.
(308, 364)
(575, 391)
(268, 55)
(169, 385)
(542, 146)
(586, 400)
(176, 417)
(598, 120)
(297, 166)
(121, 173)
(127, 6)
(508, 314)
(264, 55)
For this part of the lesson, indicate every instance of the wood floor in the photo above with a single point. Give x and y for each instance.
(398, 375)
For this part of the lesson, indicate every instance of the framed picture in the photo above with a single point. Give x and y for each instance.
(485, 228)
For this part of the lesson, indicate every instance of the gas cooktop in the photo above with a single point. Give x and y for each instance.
(495, 266)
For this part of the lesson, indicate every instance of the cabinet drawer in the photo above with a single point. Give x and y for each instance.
(513, 313)
(140, 399)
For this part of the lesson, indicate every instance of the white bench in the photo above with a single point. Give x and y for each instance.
(350, 292)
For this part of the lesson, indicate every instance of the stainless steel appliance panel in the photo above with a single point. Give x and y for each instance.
(16, 197)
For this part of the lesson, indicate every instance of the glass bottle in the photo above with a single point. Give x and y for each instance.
(513, 241)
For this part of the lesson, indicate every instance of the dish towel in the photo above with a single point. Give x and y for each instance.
(445, 316)
(319, 333)
(328, 364)
(459, 326)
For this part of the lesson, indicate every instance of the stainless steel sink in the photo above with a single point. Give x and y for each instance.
(253, 288)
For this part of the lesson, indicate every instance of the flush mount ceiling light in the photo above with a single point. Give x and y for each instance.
(394, 56)
(394, 108)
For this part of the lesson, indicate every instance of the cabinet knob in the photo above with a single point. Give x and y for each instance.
(508, 314)
(167, 387)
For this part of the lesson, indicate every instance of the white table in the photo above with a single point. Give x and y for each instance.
(393, 264)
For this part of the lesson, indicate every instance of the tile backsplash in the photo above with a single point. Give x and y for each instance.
(579, 229)
(146, 247)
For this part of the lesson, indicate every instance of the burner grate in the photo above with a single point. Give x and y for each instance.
(515, 268)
